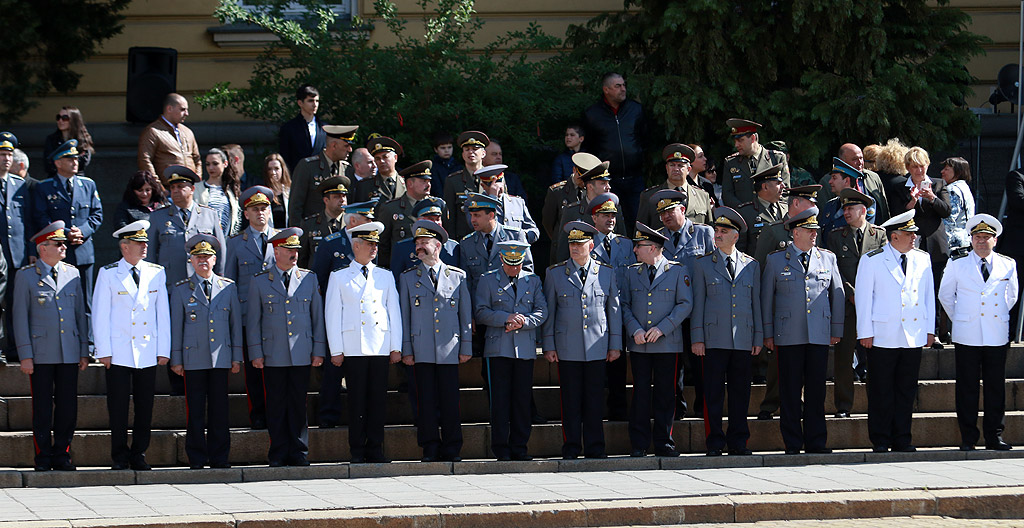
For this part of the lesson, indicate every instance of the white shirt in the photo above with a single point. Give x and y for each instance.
(311, 128)
(177, 133)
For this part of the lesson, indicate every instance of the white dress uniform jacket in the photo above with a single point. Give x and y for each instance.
(980, 309)
(897, 310)
(131, 325)
(363, 314)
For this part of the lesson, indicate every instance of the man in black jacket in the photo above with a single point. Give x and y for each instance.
(302, 136)
(616, 131)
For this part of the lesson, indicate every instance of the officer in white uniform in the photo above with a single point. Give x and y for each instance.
(131, 326)
(977, 291)
(895, 317)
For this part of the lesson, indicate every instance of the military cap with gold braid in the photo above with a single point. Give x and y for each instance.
(68, 149)
(666, 199)
(807, 219)
(287, 238)
(333, 185)
(599, 172)
(473, 138)
(362, 208)
(771, 173)
(728, 217)
(256, 195)
(343, 132)
(8, 141)
(984, 223)
(430, 229)
(851, 196)
(583, 162)
(644, 233)
(845, 169)
(178, 173)
(741, 127)
(479, 202)
(418, 170)
(678, 152)
(807, 192)
(370, 232)
(431, 205)
(512, 252)
(604, 203)
(202, 244)
(579, 231)
(901, 222)
(54, 231)
(378, 143)
(491, 173)
(135, 231)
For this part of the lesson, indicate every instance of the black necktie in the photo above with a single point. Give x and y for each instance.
(903, 263)
(860, 239)
(607, 246)
(651, 271)
(984, 270)
(69, 187)
(731, 267)
(583, 275)
(184, 216)
(365, 273)
(263, 245)
(675, 238)
(803, 260)
(490, 243)
(287, 279)
(207, 286)
(135, 276)
(53, 273)
(3, 189)
(512, 280)
(334, 169)
(433, 277)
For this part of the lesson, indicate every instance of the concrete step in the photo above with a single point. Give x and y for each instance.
(92, 448)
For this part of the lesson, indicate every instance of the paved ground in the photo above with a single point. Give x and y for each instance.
(443, 491)
(919, 521)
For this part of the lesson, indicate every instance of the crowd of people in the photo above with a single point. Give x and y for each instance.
(337, 258)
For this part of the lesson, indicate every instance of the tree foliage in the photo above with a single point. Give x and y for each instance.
(41, 39)
(816, 73)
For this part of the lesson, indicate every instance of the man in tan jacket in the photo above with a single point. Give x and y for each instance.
(167, 141)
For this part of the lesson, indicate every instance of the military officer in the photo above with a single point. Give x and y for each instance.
(513, 208)
(205, 306)
(385, 152)
(131, 326)
(366, 341)
(802, 339)
(842, 176)
(460, 183)
(978, 290)
(685, 241)
(510, 304)
(397, 215)
(656, 301)
(775, 236)
(597, 182)
(583, 331)
(437, 319)
(304, 200)
(749, 159)
(895, 317)
(15, 217)
(286, 335)
(767, 207)
(564, 193)
(326, 222)
(477, 251)
(52, 336)
(335, 250)
(249, 253)
(726, 329)
(849, 243)
(404, 256)
(678, 158)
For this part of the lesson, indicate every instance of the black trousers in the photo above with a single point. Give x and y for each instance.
(722, 366)
(207, 432)
(329, 406)
(367, 389)
(582, 390)
(617, 388)
(974, 364)
(654, 388)
(511, 392)
(802, 369)
(286, 413)
(54, 407)
(139, 386)
(892, 387)
(438, 424)
(254, 389)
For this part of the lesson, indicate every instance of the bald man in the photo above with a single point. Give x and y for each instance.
(871, 185)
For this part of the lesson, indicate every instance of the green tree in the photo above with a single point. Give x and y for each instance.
(816, 73)
(42, 39)
(519, 88)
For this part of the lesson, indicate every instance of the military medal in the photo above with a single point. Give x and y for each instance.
(191, 299)
(417, 301)
(192, 316)
(41, 300)
(41, 283)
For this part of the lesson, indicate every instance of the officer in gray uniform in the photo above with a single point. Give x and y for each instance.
(478, 251)
(325, 222)
(581, 334)
(510, 304)
(515, 213)
(15, 218)
(285, 335)
(726, 330)
(656, 302)
(404, 256)
(437, 316)
(249, 253)
(802, 301)
(206, 343)
(51, 333)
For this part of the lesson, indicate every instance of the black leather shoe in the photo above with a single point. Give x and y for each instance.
(328, 425)
(714, 452)
(141, 465)
(764, 415)
(966, 447)
(666, 453)
(299, 462)
(570, 457)
(843, 414)
(378, 459)
(259, 423)
(42, 467)
(504, 458)
(429, 459)
(759, 380)
(455, 458)
(277, 463)
(221, 465)
(904, 449)
(740, 452)
(118, 466)
(522, 458)
(819, 451)
(999, 446)
(64, 466)
(537, 419)
(596, 455)
(792, 451)
(880, 449)
(357, 460)
(637, 453)
(196, 466)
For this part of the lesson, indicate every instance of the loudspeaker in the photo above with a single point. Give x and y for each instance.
(152, 74)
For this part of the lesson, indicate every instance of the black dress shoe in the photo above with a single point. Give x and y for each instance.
(759, 380)
(277, 463)
(618, 416)
(357, 460)
(764, 415)
(904, 449)
(299, 462)
(118, 466)
(637, 453)
(596, 455)
(220, 465)
(843, 414)
(378, 459)
(819, 451)
(455, 458)
(522, 457)
(504, 458)
(328, 425)
(141, 465)
(714, 452)
(42, 467)
(880, 449)
(429, 459)
(197, 466)
(740, 452)
(666, 453)
(570, 457)
(999, 446)
(259, 423)
(538, 419)
(966, 447)
(792, 451)
(64, 466)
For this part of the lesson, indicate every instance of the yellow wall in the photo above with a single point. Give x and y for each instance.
(183, 25)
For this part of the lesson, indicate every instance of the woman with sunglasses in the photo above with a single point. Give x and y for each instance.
(70, 125)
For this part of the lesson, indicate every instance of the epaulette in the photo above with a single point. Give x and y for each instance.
(331, 236)
(110, 266)
(154, 265)
(572, 204)
(182, 281)
(206, 206)
(225, 279)
(844, 229)
(653, 188)
(240, 233)
(636, 265)
(492, 272)
(27, 266)
(777, 222)
(12, 175)
(162, 207)
(957, 255)
(399, 199)
(1001, 255)
(459, 270)
(745, 204)
(467, 236)
(921, 250)
(510, 228)
(408, 270)
(876, 228)
(311, 158)
(710, 251)
(264, 272)
(777, 251)
(731, 156)
(599, 263)
(876, 252)
(562, 263)
(823, 250)
(557, 186)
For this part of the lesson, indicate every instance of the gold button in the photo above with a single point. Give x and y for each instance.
(983, 304)
(289, 322)
(584, 327)
(585, 315)
(286, 302)
(584, 296)
(211, 321)
(649, 303)
(364, 323)
(648, 294)
(289, 312)
(133, 322)
(62, 331)
(289, 333)
(808, 311)
(648, 322)
(59, 308)
(734, 296)
(436, 331)
(57, 297)
(211, 339)
(734, 306)
(211, 330)
(733, 316)
(62, 320)
(584, 306)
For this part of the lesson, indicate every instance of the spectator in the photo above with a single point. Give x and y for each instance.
(143, 195)
(444, 162)
(618, 131)
(70, 125)
(870, 152)
(167, 141)
(303, 136)
(19, 166)
(561, 169)
(956, 172)
(221, 190)
(236, 158)
(709, 182)
(891, 170)
(279, 180)
(513, 183)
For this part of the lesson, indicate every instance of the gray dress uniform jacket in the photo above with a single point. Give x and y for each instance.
(621, 256)
(285, 327)
(438, 322)
(205, 334)
(584, 320)
(496, 300)
(243, 261)
(694, 241)
(664, 303)
(475, 259)
(802, 308)
(50, 326)
(516, 214)
(726, 312)
(167, 236)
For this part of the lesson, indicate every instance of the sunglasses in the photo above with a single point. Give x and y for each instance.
(57, 243)
(63, 117)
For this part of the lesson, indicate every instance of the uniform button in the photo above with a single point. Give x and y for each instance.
(211, 321)
(289, 312)
(287, 302)
(289, 333)
(364, 323)
(59, 308)
(435, 299)
(584, 306)
(981, 314)
(648, 294)
(904, 320)
(734, 296)
(211, 330)
(584, 296)
(133, 322)
(584, 327)
(649, 303)
(733, 316)
(62, 319)
(808, 311)
(734, 306)
(585, 315)
(57, 297)
(983, 304)
(289, 322)
(436, 330)
(62, 331)
(435, 309)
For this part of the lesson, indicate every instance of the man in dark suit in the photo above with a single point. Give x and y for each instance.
(302, 136)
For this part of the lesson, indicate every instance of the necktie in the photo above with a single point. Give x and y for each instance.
(651, 271)
(3, 189)
(135, 276)
(583, 275)
(69, 187)
(184, 216)
(433, 277)
(53, 273)
(287, 279)
(206, 289)
(490, 243)
(365, 273)
(860, 239)
(263, 244)
(984, 270)
(803, 260)
(334, 169)
(675, 238)
(512, 280)
(903, 263)
(731, 267)
(607, 246)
